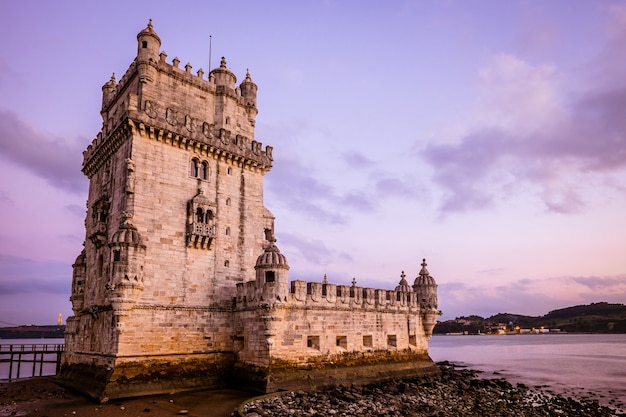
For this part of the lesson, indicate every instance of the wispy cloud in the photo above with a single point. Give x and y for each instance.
(5, 198)
(356, 159)
(55, 160)
(313, 251)
(535, 126)
(22, 276)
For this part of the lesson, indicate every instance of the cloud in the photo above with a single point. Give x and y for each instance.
(356, 159)
(55, 160)
(5, 198)
(533, 297)
(313, 251)
(297, 186)
(76, 210)
(536, 128)
(24, 276)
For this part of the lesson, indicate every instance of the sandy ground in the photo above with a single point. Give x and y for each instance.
(42, 397)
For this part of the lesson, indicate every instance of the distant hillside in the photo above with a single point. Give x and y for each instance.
(32, 332)
(593, 318)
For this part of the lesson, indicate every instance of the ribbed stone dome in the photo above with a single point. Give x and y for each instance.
(80, 259)
(403, 286)
(149, 31)
(424, 277)
(128, 234)
(272, 258)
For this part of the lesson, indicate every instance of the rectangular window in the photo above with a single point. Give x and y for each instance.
(270, 276)
(367, 341)
(342, 342)
(313, 342)
(412, 340)
(392, 341)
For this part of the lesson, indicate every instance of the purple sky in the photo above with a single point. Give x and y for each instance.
(486, 136)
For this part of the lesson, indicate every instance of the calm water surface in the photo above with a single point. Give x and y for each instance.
(574, 364)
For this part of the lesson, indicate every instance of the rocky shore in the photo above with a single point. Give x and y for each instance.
(456, 392)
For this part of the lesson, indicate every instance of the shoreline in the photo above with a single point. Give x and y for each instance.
(458, 391)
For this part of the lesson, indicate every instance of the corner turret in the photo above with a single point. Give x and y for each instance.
(224, 78)
(248, 93)
(126, 283)
(79, 275)
(109, 89)
(272, 274)
(148, 44)
(425, 289)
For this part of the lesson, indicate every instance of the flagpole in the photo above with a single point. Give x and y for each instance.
(210, 54)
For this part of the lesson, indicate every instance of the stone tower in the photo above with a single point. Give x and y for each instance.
(181, 285)
(175, 219)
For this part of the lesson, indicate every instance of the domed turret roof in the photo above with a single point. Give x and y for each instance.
(224, 76)
(149, 31)
(424, 277)
(403, 286)
(127, 234)
(272, 258)
(248, 79)
(80, 259)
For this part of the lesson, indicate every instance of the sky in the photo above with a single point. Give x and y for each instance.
(488, 137)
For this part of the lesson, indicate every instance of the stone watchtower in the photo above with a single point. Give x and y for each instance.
(181, 285)
(175, 219)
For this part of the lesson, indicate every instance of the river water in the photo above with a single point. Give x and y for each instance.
(572, 364)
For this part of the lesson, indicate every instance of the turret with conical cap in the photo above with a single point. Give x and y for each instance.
(425, 289)
(148, 44)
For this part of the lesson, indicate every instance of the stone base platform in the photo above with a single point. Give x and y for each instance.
(356, 368)
(151, 376)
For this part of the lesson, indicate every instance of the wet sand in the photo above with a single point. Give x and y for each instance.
(42, 397)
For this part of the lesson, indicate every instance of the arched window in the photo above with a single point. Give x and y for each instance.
(228, 201)
(193, 168)
(202, 171)
(229, 170)
(200, 215)
(228, 231)
(226, 264)
(209, 216)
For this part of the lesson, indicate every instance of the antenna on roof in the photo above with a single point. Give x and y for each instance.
(209, 54)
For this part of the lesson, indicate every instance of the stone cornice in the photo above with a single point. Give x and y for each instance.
(240, 154)
(101, 149)
(237, 154)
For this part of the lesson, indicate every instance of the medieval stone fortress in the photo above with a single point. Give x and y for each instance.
(181, 284)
